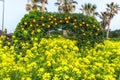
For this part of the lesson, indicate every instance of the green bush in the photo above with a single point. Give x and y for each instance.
(115, 34)
(84, 29)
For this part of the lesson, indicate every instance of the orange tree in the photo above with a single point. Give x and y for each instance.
(86, 30)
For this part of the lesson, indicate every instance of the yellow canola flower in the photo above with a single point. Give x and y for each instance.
(64, 57)
(46, 76)
(28, 78)
(55, 78)
(6, 79)
(41, 70)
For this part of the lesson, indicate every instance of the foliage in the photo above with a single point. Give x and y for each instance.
(89, 9)
(60, 58)
(37, 24)
(35, 5)
(66, 6)
(115, 34)
(107, 16)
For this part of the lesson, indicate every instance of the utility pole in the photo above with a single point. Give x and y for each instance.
(3, 14)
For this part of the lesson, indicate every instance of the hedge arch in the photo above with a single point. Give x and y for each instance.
(37, 24)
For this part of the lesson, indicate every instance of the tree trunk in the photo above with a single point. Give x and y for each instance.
(43, 6)
(108, 30)
(65, 33)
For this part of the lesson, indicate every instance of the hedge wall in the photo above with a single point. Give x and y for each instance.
(37, 24)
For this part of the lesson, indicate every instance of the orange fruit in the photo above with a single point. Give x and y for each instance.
(48, 26)
(34, 20)
(25, 23)
(43, 24)
(22, 29)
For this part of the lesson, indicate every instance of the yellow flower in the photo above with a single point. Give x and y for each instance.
(48, 63)
(46, 76)
(36, 39)
(55, 78)
(65, 68)
(72, 78)
(28, 78)
(6, 79)
(41, 70)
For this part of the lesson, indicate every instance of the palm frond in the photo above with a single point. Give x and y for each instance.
(57, 3)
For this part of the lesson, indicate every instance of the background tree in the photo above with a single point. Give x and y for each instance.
(89, 9)
(66, 6)
(34, 4)
(104, 17)
(112, 10)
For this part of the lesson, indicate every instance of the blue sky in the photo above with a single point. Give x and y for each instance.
(15, 10)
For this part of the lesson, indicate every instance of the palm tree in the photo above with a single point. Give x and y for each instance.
(35, 5)
(108, 15)
(104, 22)
(112, 9)
(89, 9)
(66, 6)
(104, 17)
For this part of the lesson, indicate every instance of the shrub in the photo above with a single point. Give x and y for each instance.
(37, 24)
(115, 34)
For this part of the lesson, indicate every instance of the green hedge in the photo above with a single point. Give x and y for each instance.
(115, 34)
(37, 24)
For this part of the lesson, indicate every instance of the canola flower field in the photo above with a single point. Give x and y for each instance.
(59, 59)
